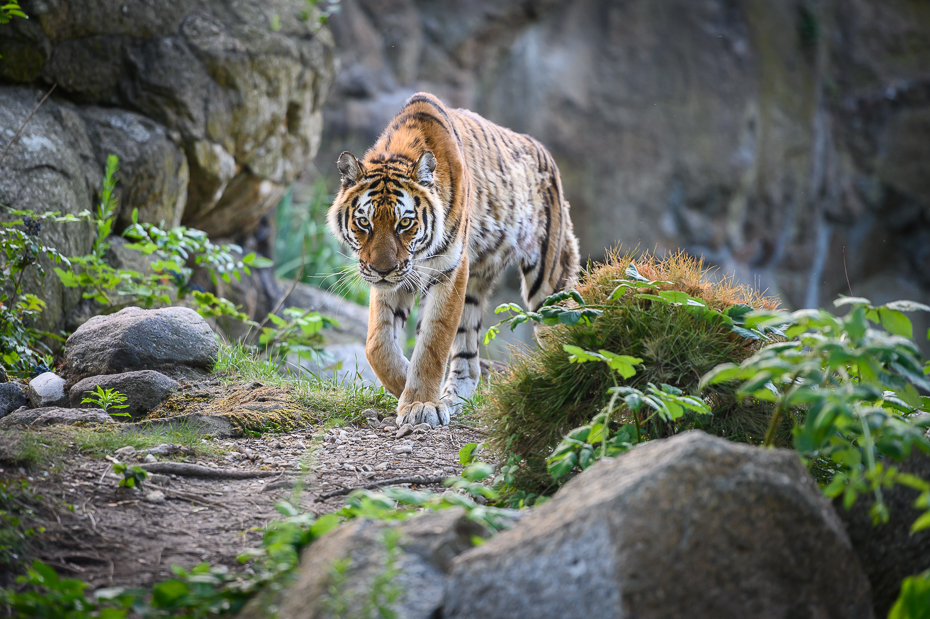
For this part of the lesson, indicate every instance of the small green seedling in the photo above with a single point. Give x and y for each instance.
(106, 399)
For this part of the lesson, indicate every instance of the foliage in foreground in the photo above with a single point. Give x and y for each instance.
(665, 313)
(209, 592)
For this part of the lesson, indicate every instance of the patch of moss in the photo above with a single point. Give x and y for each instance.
(543, 395)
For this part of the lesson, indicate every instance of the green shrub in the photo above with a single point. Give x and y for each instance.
(678, 336)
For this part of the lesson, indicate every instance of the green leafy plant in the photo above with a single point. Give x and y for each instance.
(297, 333)
(22, 345)
(173, 256)
(851, 391)
(133, 476)
(9, 10)
(578, 450)
(914, 599)
(106, 399)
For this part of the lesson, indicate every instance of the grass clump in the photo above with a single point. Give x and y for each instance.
(544, 395)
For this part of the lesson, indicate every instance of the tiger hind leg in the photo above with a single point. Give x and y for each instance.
(464, 365)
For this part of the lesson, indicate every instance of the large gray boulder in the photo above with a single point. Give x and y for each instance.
(691, 526)
(169, 340)
(12, 396)
(38, 417)
(889, 552)
(427, 545)
(144, 390)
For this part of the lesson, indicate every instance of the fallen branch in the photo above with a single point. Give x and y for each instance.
(186, 496)
(420, 481)
(195, 470)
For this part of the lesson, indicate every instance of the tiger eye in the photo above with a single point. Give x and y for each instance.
(362, 221)
(406, 221)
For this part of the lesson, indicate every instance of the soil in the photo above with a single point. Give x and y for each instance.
(118, 536)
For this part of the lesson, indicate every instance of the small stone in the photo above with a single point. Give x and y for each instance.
(370, 413)
(422, 427)
(404, 431)
(389, 421)
(388, 429)
(278, 445)
(47, 390)
(373, 423)
(154, 497)
(367, 468)
(126, 451)
(382, 466)
(3, 377)
(348, 467)
(150, 458)
(158, 479)
(402, 449)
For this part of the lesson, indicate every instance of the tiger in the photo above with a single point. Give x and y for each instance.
(438, 207)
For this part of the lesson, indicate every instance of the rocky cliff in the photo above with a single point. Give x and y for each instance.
(213, 108)
(788, 141)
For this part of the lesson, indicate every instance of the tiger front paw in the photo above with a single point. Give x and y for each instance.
(433, 413)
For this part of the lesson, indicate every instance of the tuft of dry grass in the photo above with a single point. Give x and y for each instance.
(543, 396)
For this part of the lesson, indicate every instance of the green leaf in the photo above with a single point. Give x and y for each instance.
(895, 322)
(467, 453)
(908, 306)
(579, 355)
(843, 300)
(168, 592)
(923, 522)
(723, 373)
(622, 364)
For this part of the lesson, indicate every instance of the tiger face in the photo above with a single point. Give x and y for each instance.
(388, 212)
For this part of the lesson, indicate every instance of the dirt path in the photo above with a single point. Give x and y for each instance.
(116, 537)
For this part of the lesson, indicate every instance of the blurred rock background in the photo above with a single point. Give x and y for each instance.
(787, 141)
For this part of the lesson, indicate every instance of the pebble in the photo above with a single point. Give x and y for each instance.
(128, 450)
(155, 496)
(388, 428)
(404, 431)
(158, 479)
(402, 449)
(382, 466)
(422, 427)
(370, 413)
(150, 458)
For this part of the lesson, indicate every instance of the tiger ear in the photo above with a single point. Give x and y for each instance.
(349, 168)
(423, 171)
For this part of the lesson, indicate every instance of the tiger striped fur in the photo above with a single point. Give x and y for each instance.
(439, 206)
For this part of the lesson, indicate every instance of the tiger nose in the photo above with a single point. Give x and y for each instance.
(380, 272)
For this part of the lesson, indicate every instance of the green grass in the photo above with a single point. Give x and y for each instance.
(327, 399)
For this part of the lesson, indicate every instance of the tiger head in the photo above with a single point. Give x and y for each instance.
(388, 211)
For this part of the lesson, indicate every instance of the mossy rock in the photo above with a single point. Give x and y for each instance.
(250, 409)
(543, 396)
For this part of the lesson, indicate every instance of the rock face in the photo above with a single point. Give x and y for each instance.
(786, 142)
(427, 546)
(213, 108)
(890, 552)
(12, 396)
(133, 339)
(144, 390)
(47, 389)
(691, 526)
(54, 416)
